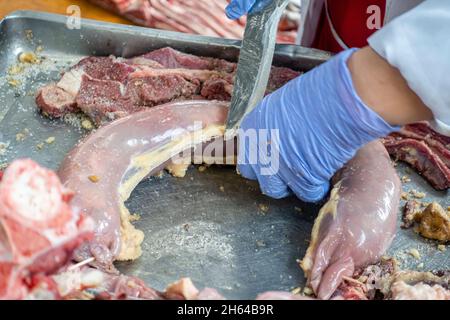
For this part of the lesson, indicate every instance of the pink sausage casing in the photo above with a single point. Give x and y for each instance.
(104, 168)
(357, 225)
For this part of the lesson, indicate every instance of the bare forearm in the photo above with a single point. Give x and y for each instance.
(383, 89)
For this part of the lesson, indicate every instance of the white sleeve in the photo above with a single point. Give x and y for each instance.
(418, 44)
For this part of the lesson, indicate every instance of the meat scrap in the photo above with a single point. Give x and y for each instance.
(108, 88)
(425, 150)
(203, 17)
(38, 228)
(386, 281)
(413, 285)
(39, 231)
(432, 223)
(36, 264)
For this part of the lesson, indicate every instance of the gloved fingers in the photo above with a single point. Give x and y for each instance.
(238, 8)
(308, 192)
(247, 171)
(273, 186)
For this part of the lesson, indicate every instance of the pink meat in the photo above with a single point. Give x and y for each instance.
(358, 223)
(115, 144)
(38, 229)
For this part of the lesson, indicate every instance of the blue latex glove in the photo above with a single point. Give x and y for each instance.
(239, 8)
(322, 123)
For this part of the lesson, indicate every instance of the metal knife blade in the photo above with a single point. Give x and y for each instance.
(255, 62)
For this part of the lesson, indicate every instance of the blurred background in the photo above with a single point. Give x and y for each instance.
(206, 17)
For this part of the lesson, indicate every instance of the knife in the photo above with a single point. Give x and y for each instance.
(255, 62)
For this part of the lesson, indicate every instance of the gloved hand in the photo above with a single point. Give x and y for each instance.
(321, 123)
(239, 8)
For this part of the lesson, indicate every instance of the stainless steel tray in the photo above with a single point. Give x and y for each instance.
(212, 226)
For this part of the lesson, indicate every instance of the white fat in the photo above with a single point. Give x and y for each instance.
(34, 198)
(71, 81)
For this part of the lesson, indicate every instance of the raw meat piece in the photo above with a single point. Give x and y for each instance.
(357, 225)
(425, 150)
(152, 91)
(385, 281)
(204, 17)
(106, 68)
(410, 213)
(424, 129)
(90, 283)
(38, 229)
(107, 88)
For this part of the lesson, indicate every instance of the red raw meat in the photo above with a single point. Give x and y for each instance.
(203, 17)
(425, 150)
(347, 232)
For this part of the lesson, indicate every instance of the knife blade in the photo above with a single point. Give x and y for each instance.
(255, 62)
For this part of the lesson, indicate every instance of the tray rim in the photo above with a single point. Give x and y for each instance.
(286, 49)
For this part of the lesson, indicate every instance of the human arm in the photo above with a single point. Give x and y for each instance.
(326, 115)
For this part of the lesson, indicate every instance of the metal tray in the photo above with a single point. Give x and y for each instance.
(212, 226)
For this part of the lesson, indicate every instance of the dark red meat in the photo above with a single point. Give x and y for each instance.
(107, 88)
